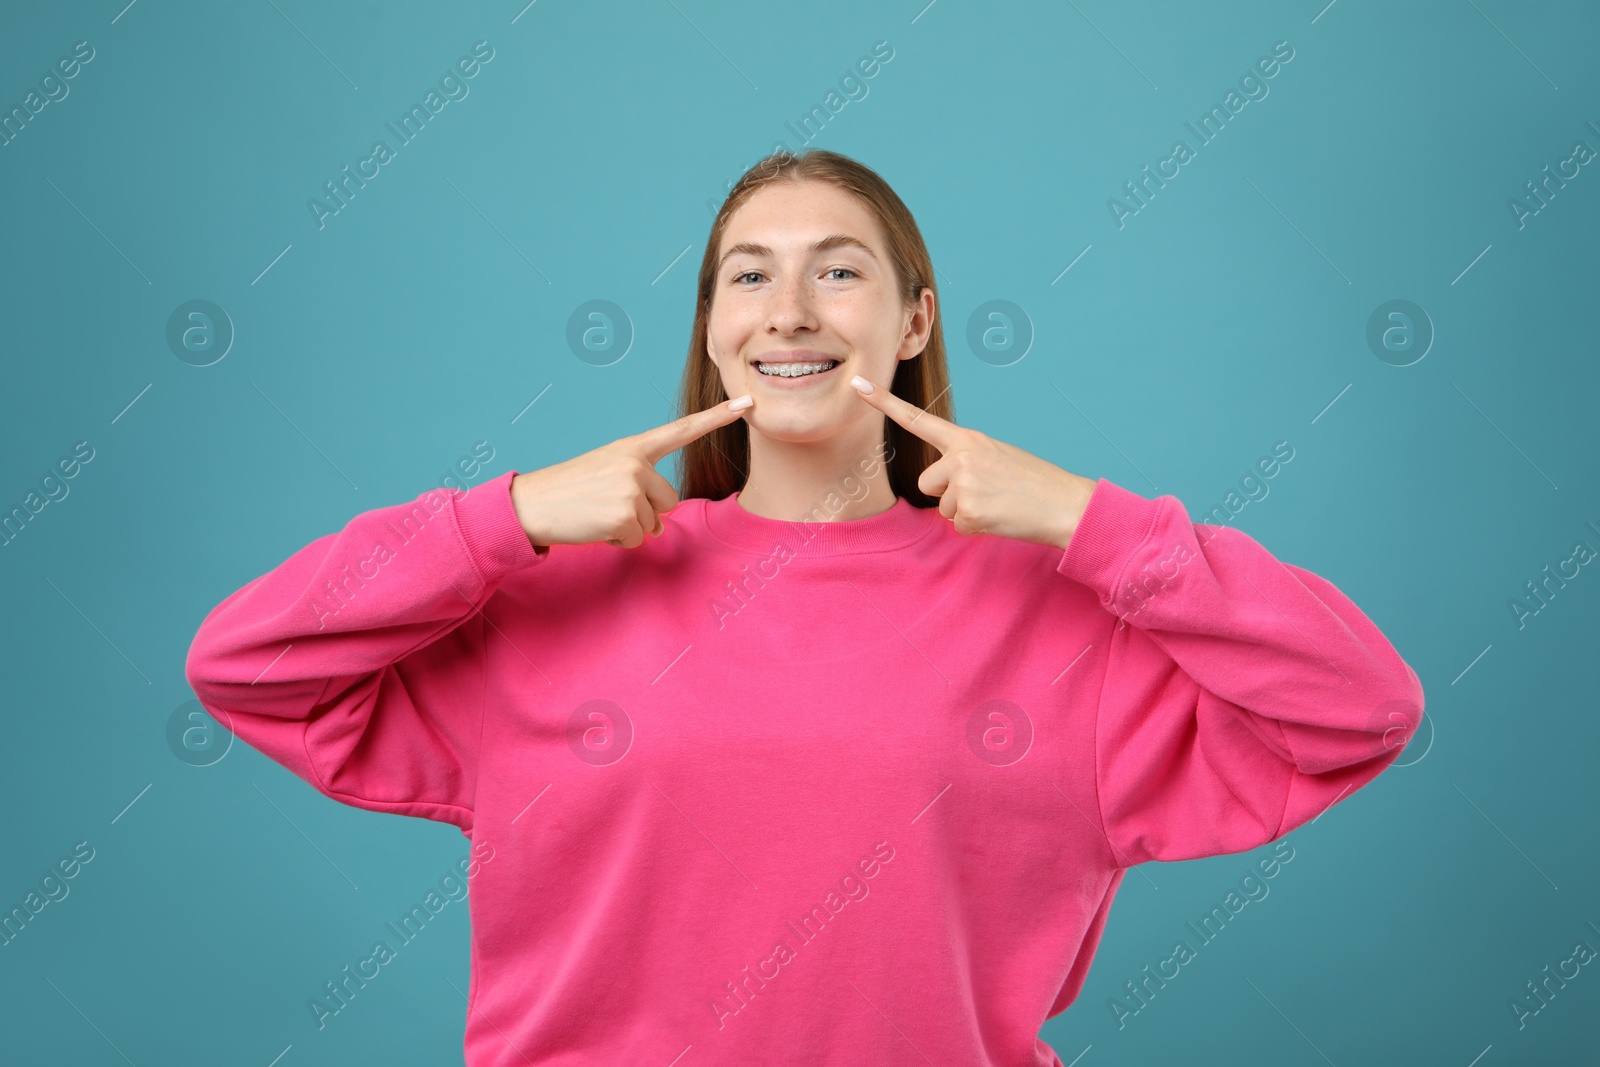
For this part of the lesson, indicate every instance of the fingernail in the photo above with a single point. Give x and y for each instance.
(861, 384)
(741, 403)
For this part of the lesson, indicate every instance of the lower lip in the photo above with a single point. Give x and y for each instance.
(779, 382)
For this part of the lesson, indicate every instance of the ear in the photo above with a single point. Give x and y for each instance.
(919, 325)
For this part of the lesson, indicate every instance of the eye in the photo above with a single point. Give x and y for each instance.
(847, 270)
(739, 277)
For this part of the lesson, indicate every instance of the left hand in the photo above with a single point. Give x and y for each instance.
(988, 486)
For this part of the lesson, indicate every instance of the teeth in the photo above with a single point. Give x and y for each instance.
(795, 370)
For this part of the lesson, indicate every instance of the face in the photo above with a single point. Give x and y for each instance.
(805, 277)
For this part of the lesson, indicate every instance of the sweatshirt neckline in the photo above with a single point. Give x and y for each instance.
(902, 524)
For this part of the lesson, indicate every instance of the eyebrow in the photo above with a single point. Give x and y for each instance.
(836, 240)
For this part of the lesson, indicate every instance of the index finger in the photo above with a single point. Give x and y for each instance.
(938, 432)
(663, 440)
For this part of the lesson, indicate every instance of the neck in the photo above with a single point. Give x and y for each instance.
(842, 478)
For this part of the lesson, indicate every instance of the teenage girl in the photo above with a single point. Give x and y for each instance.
(837, 753)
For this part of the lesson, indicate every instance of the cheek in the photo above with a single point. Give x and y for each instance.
(730, 352)
(878, 347)
(871, 328)
(730, 335)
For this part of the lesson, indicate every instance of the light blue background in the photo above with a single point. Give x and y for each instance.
(1230, 313)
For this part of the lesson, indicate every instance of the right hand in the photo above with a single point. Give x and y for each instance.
(612, 494)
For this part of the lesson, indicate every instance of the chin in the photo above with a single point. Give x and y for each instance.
(797, 431)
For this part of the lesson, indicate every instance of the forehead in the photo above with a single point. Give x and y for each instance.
(789, 216)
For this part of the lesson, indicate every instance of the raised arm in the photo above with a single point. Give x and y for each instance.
(1241, 696)
(358, 662)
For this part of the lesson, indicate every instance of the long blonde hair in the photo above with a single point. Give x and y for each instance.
(718, 463)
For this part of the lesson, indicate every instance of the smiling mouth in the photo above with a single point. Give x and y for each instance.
(796, 370)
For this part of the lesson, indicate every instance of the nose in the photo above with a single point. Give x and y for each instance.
(791, 307)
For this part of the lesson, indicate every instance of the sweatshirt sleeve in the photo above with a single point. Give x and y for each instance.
(1241, 696)
(358, 662)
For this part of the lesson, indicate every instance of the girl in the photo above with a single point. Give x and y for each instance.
(838, 755)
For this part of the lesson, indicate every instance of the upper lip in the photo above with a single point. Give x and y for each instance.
(798, 355)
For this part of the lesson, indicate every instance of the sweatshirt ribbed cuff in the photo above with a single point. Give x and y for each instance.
(1115, 523)
(488, 523)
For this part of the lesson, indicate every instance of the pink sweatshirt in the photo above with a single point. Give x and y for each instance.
(840, 793)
